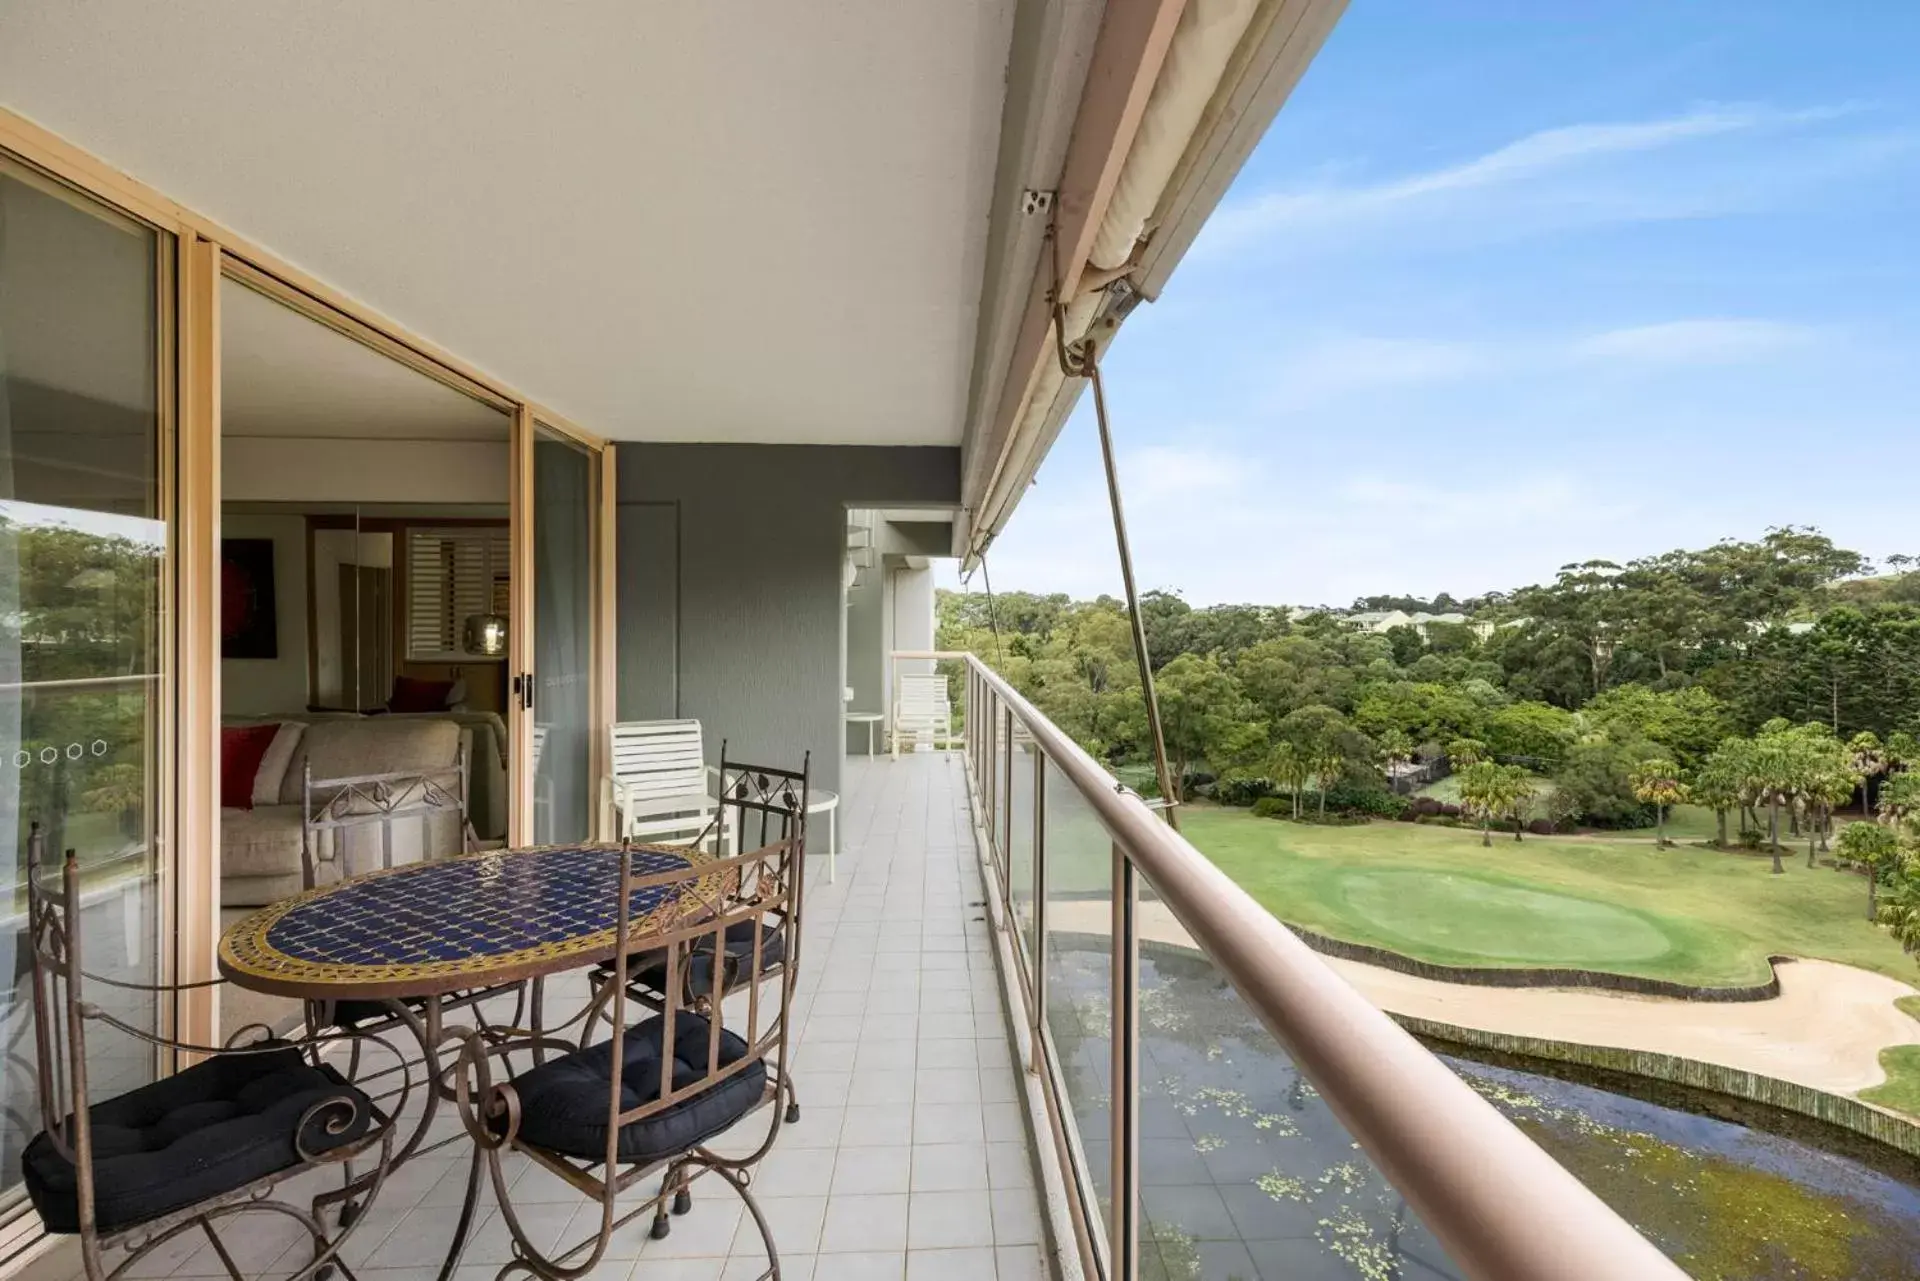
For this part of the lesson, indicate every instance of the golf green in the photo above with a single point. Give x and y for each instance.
(1423, 911)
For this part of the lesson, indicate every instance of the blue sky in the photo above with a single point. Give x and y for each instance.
(1511, 285)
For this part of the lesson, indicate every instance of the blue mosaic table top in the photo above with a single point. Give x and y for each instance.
(457, 923)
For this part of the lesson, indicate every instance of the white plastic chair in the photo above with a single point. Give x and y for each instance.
(921, 708)
(661, 784)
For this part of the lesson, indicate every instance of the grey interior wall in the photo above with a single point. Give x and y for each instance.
(760, 645)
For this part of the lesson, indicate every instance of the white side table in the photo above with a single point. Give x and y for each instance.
(872, 720)
(821, 801)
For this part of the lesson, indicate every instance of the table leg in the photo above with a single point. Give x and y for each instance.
(833, 845)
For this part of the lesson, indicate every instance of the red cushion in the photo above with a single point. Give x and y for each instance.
(410, 695)
(240, 752)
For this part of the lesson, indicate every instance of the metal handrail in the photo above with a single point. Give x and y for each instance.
(1503, 1208)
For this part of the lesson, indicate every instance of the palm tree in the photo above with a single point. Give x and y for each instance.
(1519, 797)
(1900, 914)
(1869, 761)
(1830, 786)
(1465, 753)
(1717, 785)
(1657, 783)
(1775, 779)
(1874, 847)
(1900, 799)
(1496, 791)
(1482, 793)
(1289, 765)
(1902, 750)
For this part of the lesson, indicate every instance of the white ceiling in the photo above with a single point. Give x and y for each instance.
(284, 374)
(755, 220)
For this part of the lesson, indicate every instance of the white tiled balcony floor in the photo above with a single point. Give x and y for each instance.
(910, 1161)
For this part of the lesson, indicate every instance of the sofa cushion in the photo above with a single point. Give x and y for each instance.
(273, 766)
(214, 1128)
(563, 1102)
(370, 745)
(241, 750)
(264, 841)
(410, 694)
(258, 891)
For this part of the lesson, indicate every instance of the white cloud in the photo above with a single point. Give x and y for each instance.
(1506, 172)
(1328, 371)
(1694, 342)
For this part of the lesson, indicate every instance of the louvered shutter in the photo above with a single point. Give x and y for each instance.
(452, 574)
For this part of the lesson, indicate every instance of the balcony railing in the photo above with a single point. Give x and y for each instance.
(1155, 989)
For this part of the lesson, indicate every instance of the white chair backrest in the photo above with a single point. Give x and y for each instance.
(922, 695)
(654, 760)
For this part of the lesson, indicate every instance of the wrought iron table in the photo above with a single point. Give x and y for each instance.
(431, 929)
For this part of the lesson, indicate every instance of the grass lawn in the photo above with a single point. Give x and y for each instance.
(1901, 1091)
(1687, 914)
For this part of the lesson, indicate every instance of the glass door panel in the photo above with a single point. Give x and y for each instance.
(565, 503)
(83, 556)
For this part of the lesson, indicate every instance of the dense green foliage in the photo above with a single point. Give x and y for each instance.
(1771, 683)
(1582, 680)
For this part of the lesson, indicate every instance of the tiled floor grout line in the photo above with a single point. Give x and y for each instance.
(959, 1204)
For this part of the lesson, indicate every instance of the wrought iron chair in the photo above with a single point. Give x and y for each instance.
(186, 1151)
(650, 1097)
(751, 823)
(333, 810)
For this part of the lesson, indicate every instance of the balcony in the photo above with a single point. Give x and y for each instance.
(989, 1047)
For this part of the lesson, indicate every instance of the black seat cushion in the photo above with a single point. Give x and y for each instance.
(353, 1015)
(360, 1016)
(649, 969)
(216, 1127)
(563, 1103)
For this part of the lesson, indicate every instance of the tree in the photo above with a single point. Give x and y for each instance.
(1291, 766)
(1689, 723)
(1876, 848)
(1831, 781)
(1780, 770)
(1395, 749)
(1520, 793)
(1717, 785)
(1327, 742)
(1481, 795)
(1594, 784)
(1535, 730)
(1204, 715)
(1425, 711)
(1465, 753)
(1902, 750)
(1900, 907)
(1869, 761)
(1657, 783)
(1489, 791)
(1900, 800)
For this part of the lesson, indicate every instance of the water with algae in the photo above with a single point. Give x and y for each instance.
(1247, 1176)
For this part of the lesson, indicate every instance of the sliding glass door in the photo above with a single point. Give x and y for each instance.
(85, 403)
(559, 693)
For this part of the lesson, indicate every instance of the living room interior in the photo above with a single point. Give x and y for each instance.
(366, 593)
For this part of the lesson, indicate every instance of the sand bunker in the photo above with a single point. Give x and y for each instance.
(1826, 1028)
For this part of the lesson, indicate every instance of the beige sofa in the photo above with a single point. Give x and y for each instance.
(260, 847)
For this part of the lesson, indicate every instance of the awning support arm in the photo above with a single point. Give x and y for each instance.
(1083, 362)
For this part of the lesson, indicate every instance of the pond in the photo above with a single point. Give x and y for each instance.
(1247, 1176)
